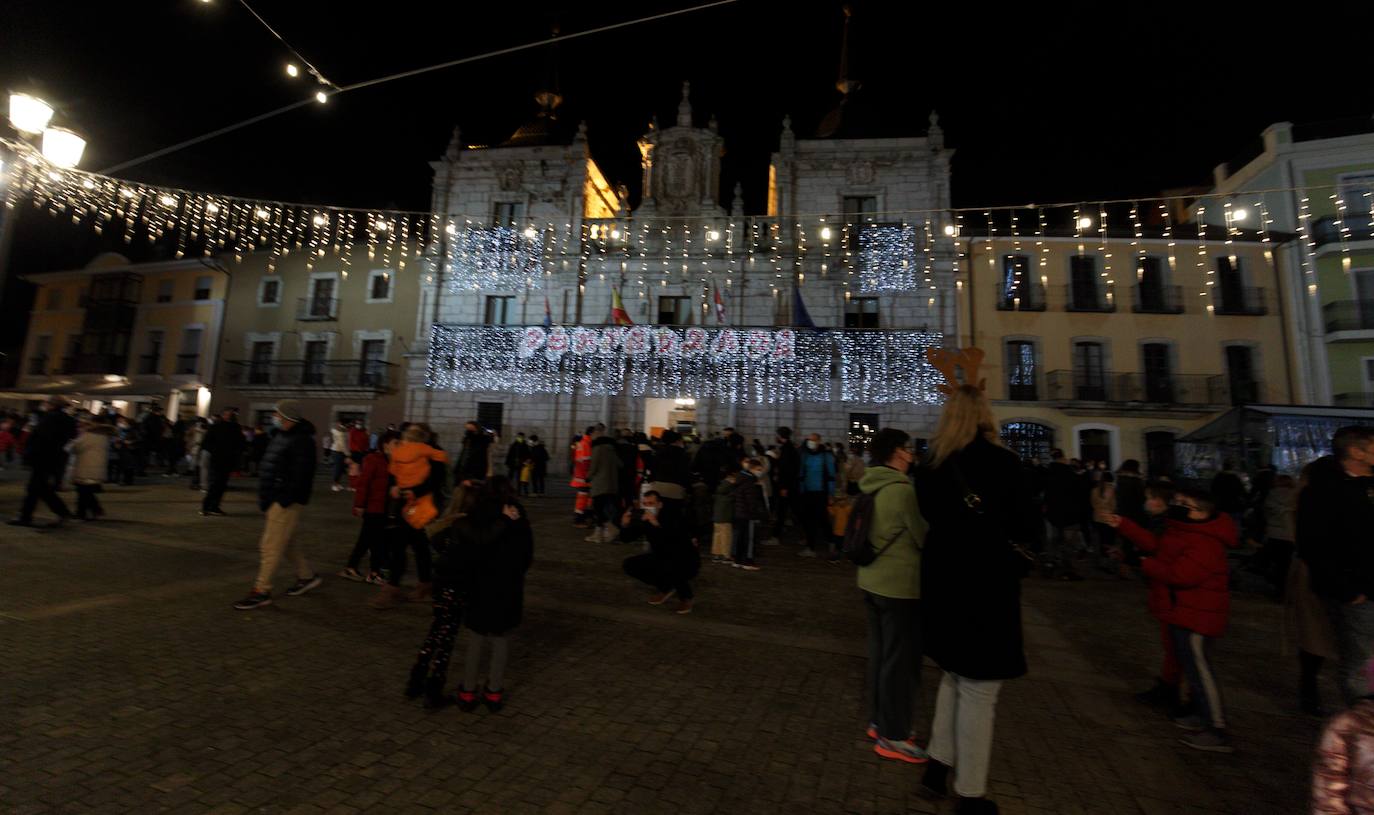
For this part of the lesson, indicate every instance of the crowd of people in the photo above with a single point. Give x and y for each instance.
(941, 536)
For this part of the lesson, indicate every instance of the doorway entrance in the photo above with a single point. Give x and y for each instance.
(670, 414)
(1095, 445)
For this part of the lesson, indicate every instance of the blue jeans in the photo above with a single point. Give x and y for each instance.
(340, 466)
(742, 547)
(1355, 642)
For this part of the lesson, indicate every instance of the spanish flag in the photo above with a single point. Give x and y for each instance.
(619, 316)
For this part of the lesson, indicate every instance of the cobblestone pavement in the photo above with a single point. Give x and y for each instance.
(129, 684)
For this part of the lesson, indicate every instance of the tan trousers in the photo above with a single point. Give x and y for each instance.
(278, 538)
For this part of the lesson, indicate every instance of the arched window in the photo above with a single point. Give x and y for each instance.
(1028, 439)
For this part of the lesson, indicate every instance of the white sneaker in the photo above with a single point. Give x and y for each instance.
(596, 536)
(337, 488)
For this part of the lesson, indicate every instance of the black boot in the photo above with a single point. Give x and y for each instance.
(975, 806)
(935, 782)
(416, 684)
(434, 693)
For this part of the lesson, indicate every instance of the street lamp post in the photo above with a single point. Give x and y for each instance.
(30, 118)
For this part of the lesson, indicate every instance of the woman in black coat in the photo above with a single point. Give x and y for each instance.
(485, 549)
(489, 552)
(972, 493)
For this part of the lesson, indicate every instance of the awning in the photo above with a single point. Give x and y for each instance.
(1234, 421)
(98, 390)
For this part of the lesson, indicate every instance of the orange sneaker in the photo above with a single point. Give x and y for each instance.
(907, 751)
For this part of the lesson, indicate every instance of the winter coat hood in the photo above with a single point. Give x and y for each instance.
(875, 478)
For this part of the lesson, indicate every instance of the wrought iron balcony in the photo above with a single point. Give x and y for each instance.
(1026, 297)
(1157, 299)
(1361, 399)
(337, 374)
(1356, 225)
(1099, 298)
(188, 364)
(317, 308)
(1348, 315)
(96, 364)
(1182, 390)
(1240, 300)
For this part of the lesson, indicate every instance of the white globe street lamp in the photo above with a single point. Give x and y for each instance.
(62, 147)
(29, 114)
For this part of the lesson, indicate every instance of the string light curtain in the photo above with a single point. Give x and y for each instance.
(749, 365)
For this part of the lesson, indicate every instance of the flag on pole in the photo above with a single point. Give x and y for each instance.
(548, 313)
(801, 318)
(720, 307)
(619, 316)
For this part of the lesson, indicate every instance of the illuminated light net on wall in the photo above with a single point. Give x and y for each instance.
(760, 366)
(886, 261)
(497, 257)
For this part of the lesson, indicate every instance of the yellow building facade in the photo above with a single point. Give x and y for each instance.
(1112, 350)
(329, 331)
(127, 335)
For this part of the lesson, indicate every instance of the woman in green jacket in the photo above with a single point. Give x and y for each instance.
(892, 594)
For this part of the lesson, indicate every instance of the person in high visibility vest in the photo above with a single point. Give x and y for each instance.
(582, 465)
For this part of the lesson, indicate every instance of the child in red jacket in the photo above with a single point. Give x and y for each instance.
(1186, 566)
(372, 491)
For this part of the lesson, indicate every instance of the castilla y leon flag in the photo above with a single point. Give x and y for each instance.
(548, 313)
(619, 316)
(720, 307)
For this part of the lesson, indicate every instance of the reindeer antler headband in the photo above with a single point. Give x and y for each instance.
(948, 362)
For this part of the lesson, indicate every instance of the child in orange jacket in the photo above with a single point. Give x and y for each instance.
(410, 466)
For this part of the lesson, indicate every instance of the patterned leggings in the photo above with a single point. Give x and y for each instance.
(438, 644)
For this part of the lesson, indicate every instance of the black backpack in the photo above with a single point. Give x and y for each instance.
(857, 546)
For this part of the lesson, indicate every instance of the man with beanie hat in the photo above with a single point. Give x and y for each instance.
(286, 475)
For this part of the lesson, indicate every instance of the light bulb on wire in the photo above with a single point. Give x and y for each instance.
(292, 71)
(321, 97)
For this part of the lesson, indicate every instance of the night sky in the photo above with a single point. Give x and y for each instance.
(1049, 103)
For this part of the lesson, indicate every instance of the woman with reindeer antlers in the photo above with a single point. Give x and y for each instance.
(981, 515)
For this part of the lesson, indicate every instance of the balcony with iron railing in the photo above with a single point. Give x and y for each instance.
(1348, 315)
(1239, 301)
(1358, 399)
(1098, 298)
(96, 364)
(317, 308)
(1181, 390)
(1157, 299)
(338, 374)
(187, 364)
(1025, 297)
(1355, 226)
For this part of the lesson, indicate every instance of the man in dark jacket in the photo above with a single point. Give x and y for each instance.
(785, 478)
(224, 443)
(1064, 499)
(473, 458)
(672, 471)
(672, 561)
(45, 455)
(540, 457)
(1335, 516)
(604, 478)
(516, 457)
(287, 476)
(715, 454)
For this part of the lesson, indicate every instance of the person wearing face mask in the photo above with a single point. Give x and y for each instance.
(817, 476)
(672, 560)
(1189, 562)
(749, 511)
(892, 596)
(284, 486)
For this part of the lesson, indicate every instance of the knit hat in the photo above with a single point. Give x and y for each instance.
(290, 409)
